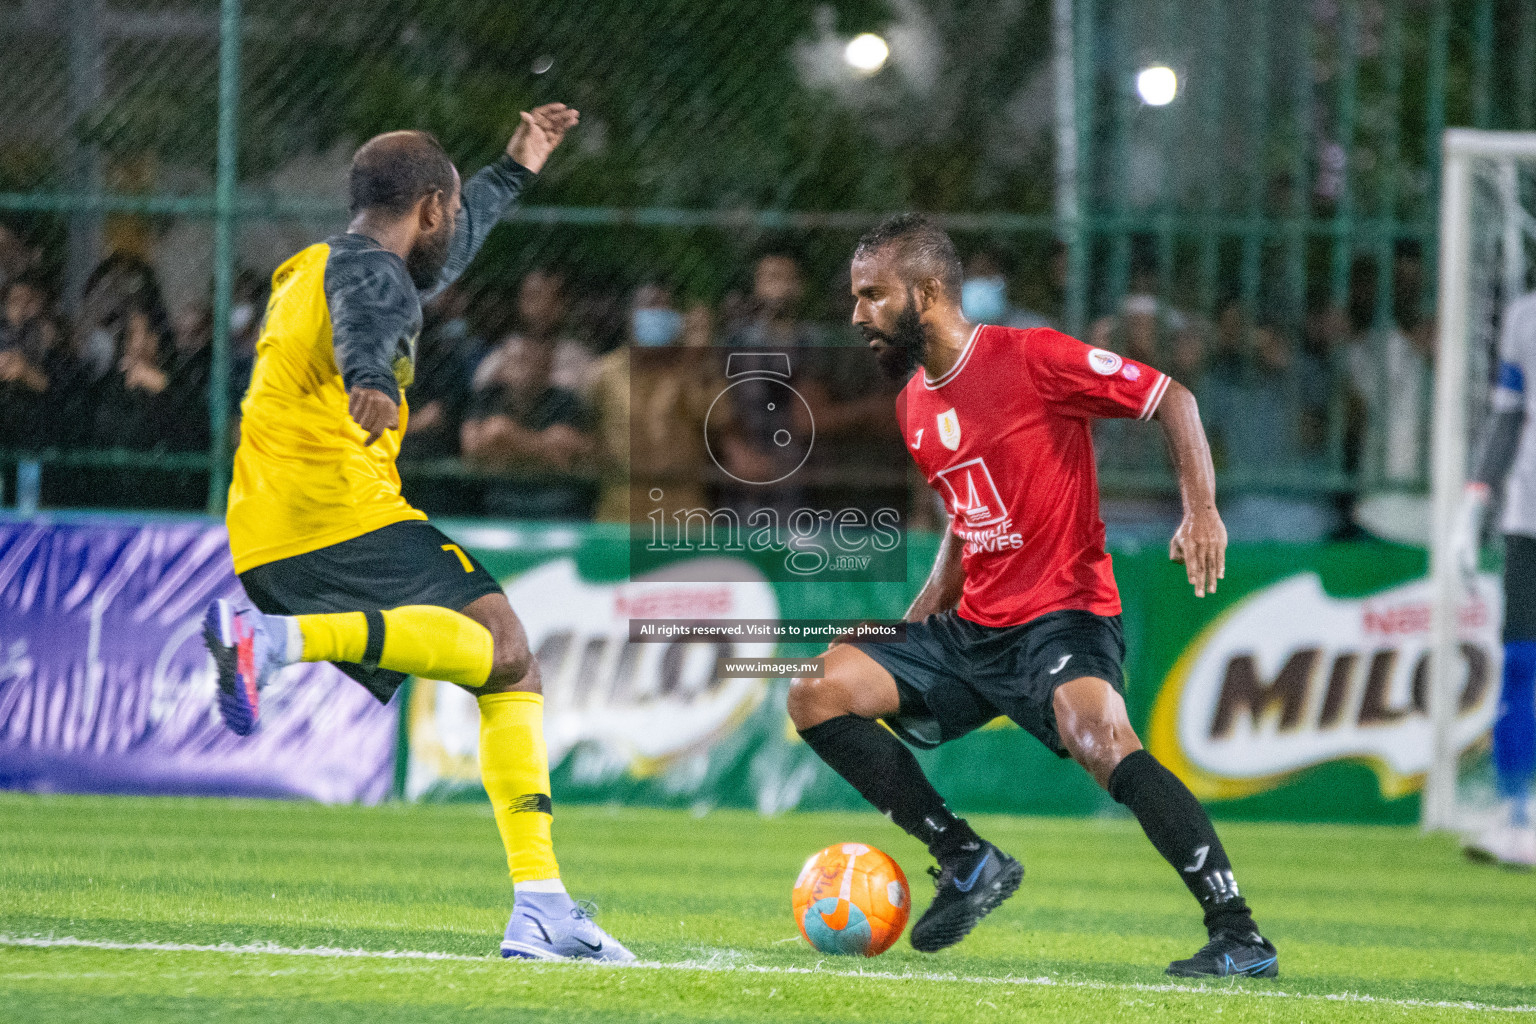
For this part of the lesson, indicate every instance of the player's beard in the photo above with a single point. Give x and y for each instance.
(906, 347)
(428, 257)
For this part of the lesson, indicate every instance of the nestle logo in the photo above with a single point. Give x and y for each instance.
(1410, 619)
(1404, 619)
(674, 602)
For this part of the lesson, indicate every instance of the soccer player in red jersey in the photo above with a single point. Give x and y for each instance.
(1020, 615)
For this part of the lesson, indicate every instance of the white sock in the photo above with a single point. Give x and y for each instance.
(284, 629)
(543, 885)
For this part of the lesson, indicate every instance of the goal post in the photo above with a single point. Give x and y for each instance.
(1487, 240)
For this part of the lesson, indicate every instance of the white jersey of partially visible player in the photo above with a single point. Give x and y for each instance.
(1515, 391)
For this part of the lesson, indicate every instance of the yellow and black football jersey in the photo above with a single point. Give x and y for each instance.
(344, 313)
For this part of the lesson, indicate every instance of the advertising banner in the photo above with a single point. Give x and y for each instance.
(1291, 677)
(1297, 691)
(105, 686)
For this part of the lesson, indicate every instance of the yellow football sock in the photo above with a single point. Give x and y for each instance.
(418, 639)
(514, 765)
(339, 636)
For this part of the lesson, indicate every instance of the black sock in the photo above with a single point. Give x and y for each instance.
(1182, 832)
(885, 773)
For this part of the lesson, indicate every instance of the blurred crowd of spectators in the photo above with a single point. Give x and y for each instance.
(539, 414)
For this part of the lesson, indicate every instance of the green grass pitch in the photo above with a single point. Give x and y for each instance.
(101, 898)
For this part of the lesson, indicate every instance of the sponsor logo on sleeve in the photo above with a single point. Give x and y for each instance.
(1104, 363)
(1131, 372)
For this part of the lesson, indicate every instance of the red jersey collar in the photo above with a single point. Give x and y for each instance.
(954, 371)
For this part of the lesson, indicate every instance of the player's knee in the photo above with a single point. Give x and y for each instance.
(512, 666)
(1098, 739)
(813, 700)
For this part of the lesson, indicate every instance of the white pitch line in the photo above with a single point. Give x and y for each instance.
(265, 948)
(728, 964)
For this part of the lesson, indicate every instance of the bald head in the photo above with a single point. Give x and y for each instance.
(393, 171)
(918, 250)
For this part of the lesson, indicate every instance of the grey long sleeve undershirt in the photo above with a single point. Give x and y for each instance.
(376, 308)
(486, 198)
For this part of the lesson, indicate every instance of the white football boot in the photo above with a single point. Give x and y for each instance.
(1507, 844)
(552, 926)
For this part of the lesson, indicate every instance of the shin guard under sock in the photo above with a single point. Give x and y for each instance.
(885, 773)
(1182, 832)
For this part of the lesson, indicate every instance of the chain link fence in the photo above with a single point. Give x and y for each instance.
(1267, 235)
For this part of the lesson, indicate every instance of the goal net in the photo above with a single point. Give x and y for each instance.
(1487, 253)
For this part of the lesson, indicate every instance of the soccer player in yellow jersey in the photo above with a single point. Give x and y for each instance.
(339, 567)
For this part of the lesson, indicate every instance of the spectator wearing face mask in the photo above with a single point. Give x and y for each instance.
(152, 399)
(653, 321)
(120, 286)
(651, 399)
(984, 295)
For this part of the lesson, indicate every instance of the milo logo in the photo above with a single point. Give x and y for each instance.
(1291, 677)
(630, 706)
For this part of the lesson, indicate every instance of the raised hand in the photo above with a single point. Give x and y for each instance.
(539, 133)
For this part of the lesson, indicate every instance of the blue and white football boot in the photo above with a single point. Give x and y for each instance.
(247, 657)
(552, 926)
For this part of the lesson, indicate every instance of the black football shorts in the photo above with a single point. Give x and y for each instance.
(403, 563)
(955, 675)
(1519, 588)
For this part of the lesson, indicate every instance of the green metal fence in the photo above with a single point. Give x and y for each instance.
(1287, 192)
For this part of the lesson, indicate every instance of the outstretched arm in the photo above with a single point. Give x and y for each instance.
(1201, 539)
(492, 191)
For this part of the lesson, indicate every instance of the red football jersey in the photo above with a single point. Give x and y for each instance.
(1005, 438)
